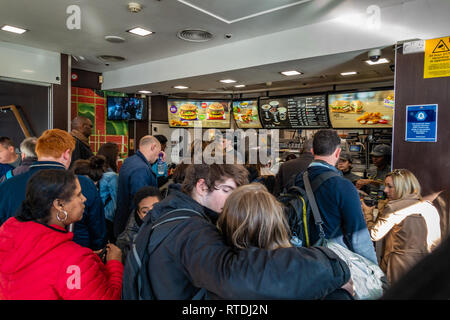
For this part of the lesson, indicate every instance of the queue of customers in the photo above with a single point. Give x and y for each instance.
(71, 225)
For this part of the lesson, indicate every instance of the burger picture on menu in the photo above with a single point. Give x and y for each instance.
(188, 111)
(341, 106)
(216, 111)
(357, 106)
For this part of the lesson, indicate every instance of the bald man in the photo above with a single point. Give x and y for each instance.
(135, 173)
(81, 130)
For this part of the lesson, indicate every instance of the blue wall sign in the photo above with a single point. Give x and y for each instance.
(421, 123)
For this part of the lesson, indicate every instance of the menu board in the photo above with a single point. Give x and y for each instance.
(192, 113)
(372, 109)
(245, 114)
(294, 112)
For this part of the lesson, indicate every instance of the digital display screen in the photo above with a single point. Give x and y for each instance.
(294, 112)
(125, 108)
(372, 109)
(192, 113)
(355, 148)
(245, 114)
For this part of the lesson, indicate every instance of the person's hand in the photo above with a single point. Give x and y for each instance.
(362, 182)
(113, 252)
(349, 287)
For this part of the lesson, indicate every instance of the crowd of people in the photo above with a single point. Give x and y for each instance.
(73, 222)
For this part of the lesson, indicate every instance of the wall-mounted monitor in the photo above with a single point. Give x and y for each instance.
(125, 108)
(294, 112)
(245, 113)
(204, 113)
(355, 148)
(362, 110)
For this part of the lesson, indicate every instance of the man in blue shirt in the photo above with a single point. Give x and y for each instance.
(337, 199)
(135, 173)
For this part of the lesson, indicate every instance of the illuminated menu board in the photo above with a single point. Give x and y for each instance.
(245, 114)
(371, 109)
(294, 112)
(192, 113)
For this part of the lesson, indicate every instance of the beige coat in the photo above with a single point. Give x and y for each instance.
(411, 230)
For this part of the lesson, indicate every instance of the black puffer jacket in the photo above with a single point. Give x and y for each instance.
(195, 256)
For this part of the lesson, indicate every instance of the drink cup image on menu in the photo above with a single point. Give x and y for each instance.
(283, 113)
(265, 108)
(275, 115)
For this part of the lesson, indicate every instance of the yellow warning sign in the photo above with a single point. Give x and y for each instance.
(437, 58)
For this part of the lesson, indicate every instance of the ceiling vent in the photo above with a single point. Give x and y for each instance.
(194, 35)
(114, 39)
(111, 58)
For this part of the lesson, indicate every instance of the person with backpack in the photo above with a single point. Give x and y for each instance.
(337, 198)
(179, 254)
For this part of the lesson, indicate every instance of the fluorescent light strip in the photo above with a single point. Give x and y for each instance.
(13, 29)
(140, 31)
(382, 60)
(181, 87)
(348, 73)
(145, 91)
(227, 81)
(239, 86)
(291, 73)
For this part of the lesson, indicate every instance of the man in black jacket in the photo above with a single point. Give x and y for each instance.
(193, 256)
(289, 169)
(81, 131)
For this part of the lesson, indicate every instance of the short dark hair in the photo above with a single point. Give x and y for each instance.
(161, 138)
(6, 142)
(325, 142)
(42, 189)
(146, 192)
(213, 173)
(110, 151)
(94, 167)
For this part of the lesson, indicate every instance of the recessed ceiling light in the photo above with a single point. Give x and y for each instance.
(140, 31)
(291, 73)
(145, 91)
(227, 81)
(382, 60)
(239, 86)
(13, 29)
(181, 87)
(348, 73)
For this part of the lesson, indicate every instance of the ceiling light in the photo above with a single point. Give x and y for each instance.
(239, 86)
(13, 29)
(227, 81)
(382, 60)
(145, 91)
(140, 31)
(291, 73)
(348, 73)
(180, 87)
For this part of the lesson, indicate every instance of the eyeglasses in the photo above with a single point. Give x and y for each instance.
(225, 188)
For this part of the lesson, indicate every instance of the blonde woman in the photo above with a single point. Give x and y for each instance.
(252, 217)
(409, 225)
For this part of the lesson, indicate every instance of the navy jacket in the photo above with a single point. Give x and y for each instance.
(194, 255)
(89, 232)
(135, 173)
(341, 212)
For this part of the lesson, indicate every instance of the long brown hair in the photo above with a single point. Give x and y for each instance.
(253, 217)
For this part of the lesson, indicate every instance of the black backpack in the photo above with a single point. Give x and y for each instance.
(297, 207)
(136, 281)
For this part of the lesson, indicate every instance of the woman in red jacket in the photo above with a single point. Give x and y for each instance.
(39, 260)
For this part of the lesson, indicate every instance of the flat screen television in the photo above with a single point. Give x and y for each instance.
(204, 113)
(245, 113)
(125, 108)
(355, 148)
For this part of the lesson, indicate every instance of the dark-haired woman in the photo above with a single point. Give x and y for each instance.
(39, 260)
(98, 170)
(108, 184)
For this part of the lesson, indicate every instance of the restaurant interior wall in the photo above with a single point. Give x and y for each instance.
(429, 161)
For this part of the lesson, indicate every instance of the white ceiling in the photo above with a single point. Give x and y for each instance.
(319, 37)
